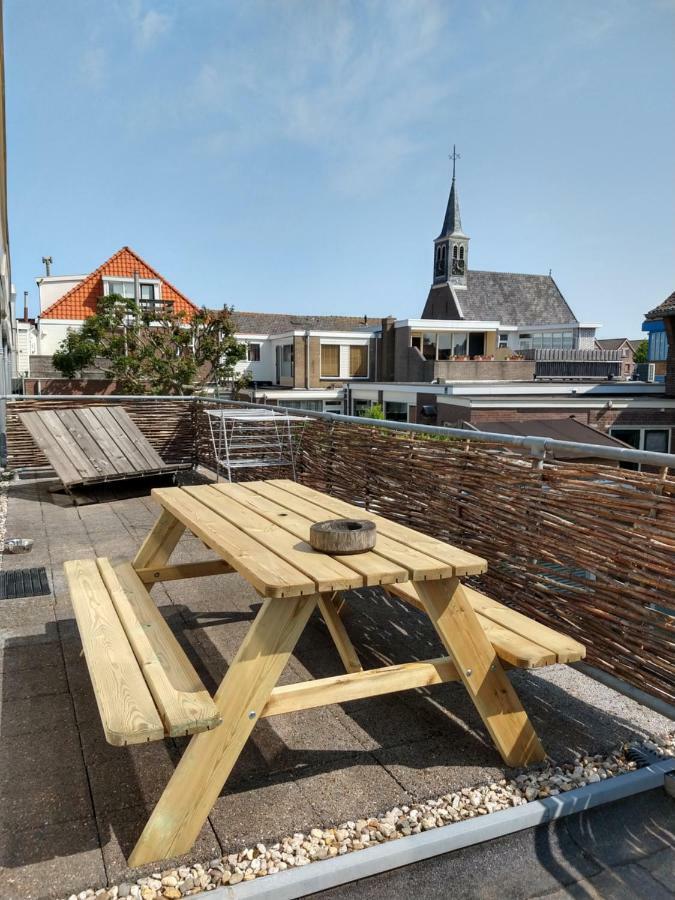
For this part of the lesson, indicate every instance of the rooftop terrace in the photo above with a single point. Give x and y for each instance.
(73, 805)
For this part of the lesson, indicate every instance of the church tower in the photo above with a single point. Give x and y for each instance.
(451, 247)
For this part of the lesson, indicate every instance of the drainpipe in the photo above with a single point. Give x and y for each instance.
(307, 359)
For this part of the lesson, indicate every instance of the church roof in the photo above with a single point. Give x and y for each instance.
(511, 299)
(280, 323)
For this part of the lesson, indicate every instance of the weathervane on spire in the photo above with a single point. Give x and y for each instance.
(454, 156)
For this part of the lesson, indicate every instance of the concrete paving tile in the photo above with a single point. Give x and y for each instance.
(262, 811)
(645, 827)
(24, 656)
(131, 781)
(39, 555)
(17, 684)
(37, 863)
(31, 635)
(121, 828)
(430, 768)
(26, 611)
(661, 866)
(61, 797)
(393, 719)
(629, 882)
(570, 709)
(312, 737)
(23, 758)
(358, 787)
(46, 714)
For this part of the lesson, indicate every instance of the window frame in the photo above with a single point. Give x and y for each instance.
(388, 403)
(325, 374)
(344, 357)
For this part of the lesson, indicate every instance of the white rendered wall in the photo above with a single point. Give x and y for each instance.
(264, 369)
(52, 288)
(52, 331)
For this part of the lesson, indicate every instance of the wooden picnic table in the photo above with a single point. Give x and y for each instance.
(261, 530)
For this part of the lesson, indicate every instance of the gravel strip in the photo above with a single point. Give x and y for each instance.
(324, 843)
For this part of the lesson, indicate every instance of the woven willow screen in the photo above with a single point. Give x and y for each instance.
(583, 547)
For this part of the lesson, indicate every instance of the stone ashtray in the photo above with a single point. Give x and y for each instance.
(343, 536)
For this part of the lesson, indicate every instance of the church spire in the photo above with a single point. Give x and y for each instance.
(451, 247)
(452, 224)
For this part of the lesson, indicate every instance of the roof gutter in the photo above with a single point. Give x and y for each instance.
(320, 876)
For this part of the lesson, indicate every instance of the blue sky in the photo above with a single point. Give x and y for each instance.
(292, 156)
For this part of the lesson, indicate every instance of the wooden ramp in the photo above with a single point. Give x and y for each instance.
(94, 444)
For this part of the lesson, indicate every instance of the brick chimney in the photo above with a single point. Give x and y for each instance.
(388, 350)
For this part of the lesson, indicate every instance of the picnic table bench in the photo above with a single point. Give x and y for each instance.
(146, 688)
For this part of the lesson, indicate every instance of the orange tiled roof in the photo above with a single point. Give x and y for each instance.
(80, 301)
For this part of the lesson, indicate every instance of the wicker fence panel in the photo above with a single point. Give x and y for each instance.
(585, 548)
(167, 424)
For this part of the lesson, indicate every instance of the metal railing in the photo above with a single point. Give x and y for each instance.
(537, 447)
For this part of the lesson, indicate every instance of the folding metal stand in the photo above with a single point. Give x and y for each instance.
(254, 438)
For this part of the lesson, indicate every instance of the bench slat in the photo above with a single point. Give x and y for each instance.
(125, 705)
(513, 647)
(184, 704)
(566, 649)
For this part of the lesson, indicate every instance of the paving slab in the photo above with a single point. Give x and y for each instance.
(85, 802)
(262, 809)
(120, 829)
(46, 714)
(39, 863)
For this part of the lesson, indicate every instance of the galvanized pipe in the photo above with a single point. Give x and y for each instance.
(537, 446)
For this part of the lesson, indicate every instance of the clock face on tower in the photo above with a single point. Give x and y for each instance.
(458, 267)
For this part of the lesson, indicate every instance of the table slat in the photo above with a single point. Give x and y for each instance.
(462, 562)
(420, 566)
(374, 569)
(327, 573)
(266, 571)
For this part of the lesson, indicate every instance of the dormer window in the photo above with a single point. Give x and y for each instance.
(149, 291)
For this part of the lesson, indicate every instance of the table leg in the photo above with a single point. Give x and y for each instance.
(480, 669)
(160, 542)
(203, 769)
(348, 655)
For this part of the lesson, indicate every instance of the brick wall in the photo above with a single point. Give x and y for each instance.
(34, 386)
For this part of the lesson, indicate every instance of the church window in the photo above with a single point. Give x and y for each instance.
(454, 251)
(441, 256)
(461, 252)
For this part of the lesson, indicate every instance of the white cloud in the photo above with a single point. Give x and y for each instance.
(148, 25)
(351, 80)
(151, 25)
(93, 65)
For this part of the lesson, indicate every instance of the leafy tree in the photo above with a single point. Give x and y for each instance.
(152, 351)
(373, 412)
(640, 355)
